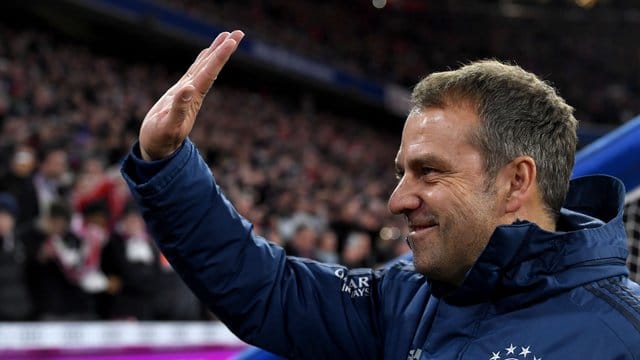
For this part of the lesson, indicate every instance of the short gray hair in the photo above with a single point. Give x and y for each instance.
(519, 115)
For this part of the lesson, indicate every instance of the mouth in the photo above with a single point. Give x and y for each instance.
(415, 229)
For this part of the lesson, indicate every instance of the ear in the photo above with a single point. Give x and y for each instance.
(520, 180)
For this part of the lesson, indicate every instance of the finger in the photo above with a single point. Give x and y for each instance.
(198, 63)
(219, 40)
(205, 77)
(237, 35)
(214, 45)
(181, 104)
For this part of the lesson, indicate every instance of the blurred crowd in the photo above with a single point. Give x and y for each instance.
(72, 244)
(591, 60)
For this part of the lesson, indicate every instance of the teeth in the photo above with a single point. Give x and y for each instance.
(420, 227)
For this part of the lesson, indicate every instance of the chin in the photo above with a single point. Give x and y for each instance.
(434, 274)
(422, 268)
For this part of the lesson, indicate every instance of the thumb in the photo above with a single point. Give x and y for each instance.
(182, 102)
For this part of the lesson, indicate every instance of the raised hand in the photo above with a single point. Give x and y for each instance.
(171, 119)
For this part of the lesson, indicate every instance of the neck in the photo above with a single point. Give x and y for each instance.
(540, 218)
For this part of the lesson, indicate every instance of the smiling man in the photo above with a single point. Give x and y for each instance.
(511, 261)
(443, 192)
(467, 164)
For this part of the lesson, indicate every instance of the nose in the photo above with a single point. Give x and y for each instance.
(403, 199)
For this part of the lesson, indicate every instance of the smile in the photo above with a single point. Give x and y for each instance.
(415, 230)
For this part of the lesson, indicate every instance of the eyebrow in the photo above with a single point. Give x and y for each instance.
(428, 159)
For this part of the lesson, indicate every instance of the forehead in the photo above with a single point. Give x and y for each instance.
(441, 131)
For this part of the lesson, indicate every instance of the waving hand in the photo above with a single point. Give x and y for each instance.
(171, 119)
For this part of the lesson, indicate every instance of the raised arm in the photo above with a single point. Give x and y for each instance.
(293, 307)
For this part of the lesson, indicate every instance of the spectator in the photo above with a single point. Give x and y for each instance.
(92, 228)
(96, 183)
(49, 179)
(327, 249)
(56, 259)
(143, 283)
(303, 243)
(357, 251)
(19, 183)
(15, 298)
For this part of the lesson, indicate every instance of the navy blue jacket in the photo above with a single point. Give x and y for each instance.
(532, 294)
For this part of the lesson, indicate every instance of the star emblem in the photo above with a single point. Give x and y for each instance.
(511, 353)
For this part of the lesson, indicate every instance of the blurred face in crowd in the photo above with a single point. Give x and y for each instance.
(7, 222)
(328, 241)
(55, 164)
(133, 224)
(443, 193)
(304, 240)
(23, 161)
(57, 225)
(357, 248)
(99, 219)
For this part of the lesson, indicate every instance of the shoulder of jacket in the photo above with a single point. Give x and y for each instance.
(623, 297)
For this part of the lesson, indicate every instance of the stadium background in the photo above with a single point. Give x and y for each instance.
(300, 131)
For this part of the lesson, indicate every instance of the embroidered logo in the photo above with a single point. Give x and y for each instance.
(514, 352)
(354, 285)
(414, 354)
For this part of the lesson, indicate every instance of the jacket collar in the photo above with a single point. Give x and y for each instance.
(523, 263)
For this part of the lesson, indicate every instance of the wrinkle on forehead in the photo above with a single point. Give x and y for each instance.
(419, 121)
(415, 131)
(444, 128)
(460, 118)
(418, 113)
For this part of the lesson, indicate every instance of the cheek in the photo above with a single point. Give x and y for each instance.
(445, 202)
(466, 220)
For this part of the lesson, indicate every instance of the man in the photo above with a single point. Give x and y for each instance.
(502, 270)
(18, 181)
(56, 262)
(148, 288)
(50, 182)
(15, 298)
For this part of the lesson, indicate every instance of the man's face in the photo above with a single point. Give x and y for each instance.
(442, 191)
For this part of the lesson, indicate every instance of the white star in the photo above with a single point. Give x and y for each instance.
(525, 351)
(536, 358)
(496, 356)
(511, 349)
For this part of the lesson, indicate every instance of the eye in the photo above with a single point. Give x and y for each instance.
(425, 170)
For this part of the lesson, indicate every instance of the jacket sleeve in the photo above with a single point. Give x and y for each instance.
(293, 307)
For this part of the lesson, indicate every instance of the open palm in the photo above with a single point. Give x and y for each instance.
(172, 117)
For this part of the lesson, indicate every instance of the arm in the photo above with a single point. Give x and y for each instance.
(293, 307)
